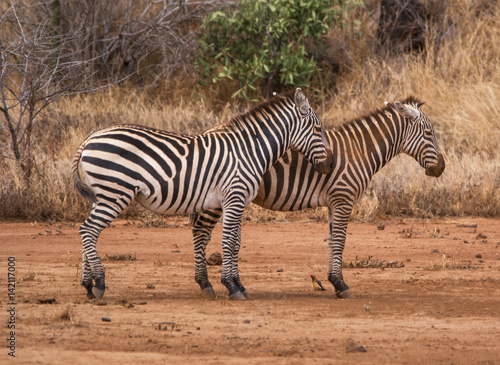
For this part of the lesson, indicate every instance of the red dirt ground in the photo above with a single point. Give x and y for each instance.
(443, 306)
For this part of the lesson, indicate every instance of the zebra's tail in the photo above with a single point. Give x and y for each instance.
(80, 185)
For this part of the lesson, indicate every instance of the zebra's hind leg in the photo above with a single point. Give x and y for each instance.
(338, 218)
(86, 279)
(92, 271)
(203, 225)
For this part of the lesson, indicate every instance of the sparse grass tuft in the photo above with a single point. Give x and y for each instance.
(120, 257)
(370, 262)
(58, 315)
(445, 265)
(30, 276)
(66, 314)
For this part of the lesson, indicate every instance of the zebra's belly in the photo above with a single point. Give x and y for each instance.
(191, 203)
(290, 200)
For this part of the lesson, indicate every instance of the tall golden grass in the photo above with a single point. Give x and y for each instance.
(458, 76)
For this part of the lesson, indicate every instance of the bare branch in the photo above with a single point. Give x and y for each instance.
(48, 53)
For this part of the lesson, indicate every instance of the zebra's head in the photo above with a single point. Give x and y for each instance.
(309, 136)
(420, 141)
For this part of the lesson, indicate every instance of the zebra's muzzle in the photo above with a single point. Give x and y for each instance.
(436, 170)
(325, 166)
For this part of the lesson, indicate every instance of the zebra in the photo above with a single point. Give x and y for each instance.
(172, 173)
(361, 148)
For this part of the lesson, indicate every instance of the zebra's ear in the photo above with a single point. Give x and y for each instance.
(301, 101)
(406, 110)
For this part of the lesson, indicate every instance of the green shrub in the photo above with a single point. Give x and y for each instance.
(266, 44)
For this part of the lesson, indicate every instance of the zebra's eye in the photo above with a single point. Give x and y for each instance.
(428, 132)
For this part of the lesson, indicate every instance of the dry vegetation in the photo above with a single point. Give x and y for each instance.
(457, 75)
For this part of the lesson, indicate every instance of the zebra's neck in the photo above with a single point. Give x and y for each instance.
(265, 136)
(371, 141)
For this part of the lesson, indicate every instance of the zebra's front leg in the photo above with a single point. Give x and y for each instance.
(231, 238)
(204, 223)
(338, 219)
(235, 272)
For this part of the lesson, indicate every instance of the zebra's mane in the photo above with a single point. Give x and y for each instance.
(271, 101)
(410, 100)
(243, 117)
(413, 100)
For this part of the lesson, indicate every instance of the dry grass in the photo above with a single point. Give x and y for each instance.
(458, 76)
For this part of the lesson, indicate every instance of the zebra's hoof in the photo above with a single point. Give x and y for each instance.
(90, 295)
(237, 296)
(245, 294)
(346, 294)
(208, 293)
(98, 293)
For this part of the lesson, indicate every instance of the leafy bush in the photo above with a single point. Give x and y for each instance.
(267, 44)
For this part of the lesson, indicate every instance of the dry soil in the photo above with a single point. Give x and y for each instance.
(430, 294)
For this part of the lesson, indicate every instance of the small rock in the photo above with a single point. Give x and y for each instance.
(280, 270)
(215, 259)
(479, 256)
(246, 321)
(480, 235)
(150, 286)
(435, 250)
(474, 225)
(46, 301)
(354, 347)
(106, 319)
(381, 227)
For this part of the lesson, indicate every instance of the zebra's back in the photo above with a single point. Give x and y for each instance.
(166, 172)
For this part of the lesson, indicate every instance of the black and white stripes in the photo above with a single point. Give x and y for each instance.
(361, 148)
(173, 173)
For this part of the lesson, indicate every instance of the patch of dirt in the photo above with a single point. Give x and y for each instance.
(439, 302)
